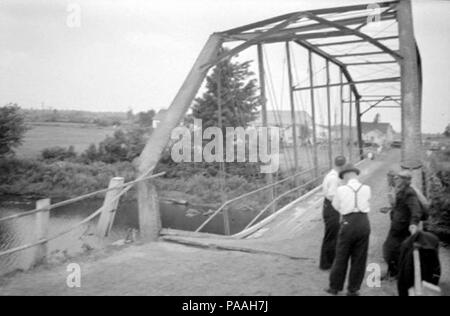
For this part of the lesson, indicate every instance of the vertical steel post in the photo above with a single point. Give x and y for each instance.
(330, 137)
(350, 127)
(341, 96)
(359, 127)
(292, 103)
(313, 115)
(263, 100)
(226, 217)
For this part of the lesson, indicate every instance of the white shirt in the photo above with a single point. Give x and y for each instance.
(344, 200)
(330, 184)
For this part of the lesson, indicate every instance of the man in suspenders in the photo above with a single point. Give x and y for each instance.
(352, 202)
(331, 217)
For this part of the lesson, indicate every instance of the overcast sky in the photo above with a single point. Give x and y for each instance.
(136, 53)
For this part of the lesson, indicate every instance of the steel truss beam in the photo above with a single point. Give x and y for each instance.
(283, 17)
(382, 80)
(356, 33)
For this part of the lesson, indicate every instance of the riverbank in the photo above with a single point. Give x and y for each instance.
(27, 180)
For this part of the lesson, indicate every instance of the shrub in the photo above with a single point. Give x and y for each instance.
(58, 180)
(439, 194)
(122, 146)
(58, 154)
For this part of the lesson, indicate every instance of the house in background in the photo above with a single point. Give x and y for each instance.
(382, 134)
(283, 120)
(158, 118)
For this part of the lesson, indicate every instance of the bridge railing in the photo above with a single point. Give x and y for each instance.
(272, 203)
(116, 189)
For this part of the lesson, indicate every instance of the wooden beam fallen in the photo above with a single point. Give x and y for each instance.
(203, 243)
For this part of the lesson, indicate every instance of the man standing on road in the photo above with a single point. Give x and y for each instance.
(405, 217)
(352, 201)
(331, 217)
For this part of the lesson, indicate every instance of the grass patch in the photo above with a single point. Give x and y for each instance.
(45, 135)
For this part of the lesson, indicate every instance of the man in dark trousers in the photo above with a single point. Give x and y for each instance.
(352, 200)
(331, 217)
(405, 217)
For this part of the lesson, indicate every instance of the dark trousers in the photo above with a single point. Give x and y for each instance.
(331, 218)
(352, 245)
(398, 233)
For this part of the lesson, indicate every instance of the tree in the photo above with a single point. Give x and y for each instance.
(122, 146)
(145, 119)
(58, 153)
(239, 98)
(447, 131)
(12, 128)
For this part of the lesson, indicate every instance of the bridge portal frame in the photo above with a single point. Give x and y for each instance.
(312, 31)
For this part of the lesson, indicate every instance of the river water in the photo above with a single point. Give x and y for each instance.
(21, 231)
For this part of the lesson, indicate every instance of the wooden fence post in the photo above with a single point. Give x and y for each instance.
(109, 208)
(226, 221)
(42, 225)
(149, 214)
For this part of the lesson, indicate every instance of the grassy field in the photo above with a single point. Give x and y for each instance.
(45, 135)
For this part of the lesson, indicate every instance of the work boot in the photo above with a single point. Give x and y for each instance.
(332, 291)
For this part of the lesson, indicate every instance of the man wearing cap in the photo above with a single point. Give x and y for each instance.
(352, 200)
(405, 217)
(331, 217)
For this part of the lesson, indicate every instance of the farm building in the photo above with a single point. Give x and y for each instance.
(381, 134)
(283, 120)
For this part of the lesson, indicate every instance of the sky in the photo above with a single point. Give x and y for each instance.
(135, 54)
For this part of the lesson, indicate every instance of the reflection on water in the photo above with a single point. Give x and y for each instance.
(21, 231)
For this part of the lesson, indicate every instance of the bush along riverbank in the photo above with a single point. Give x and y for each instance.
(438, 189)
(28, 179)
